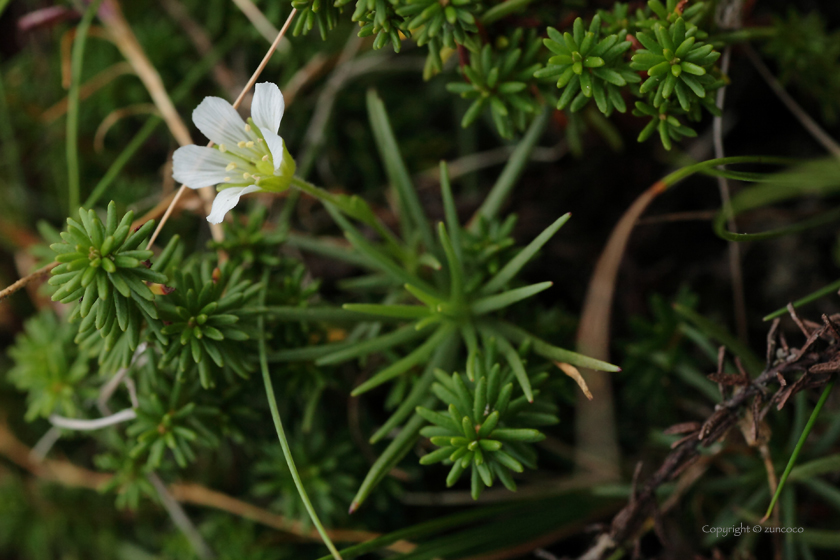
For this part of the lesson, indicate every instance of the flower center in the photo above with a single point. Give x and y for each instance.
(250, 160)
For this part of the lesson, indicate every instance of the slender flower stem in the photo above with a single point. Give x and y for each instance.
(281, 434)
(236, 104)
(792, 461)
(72, 135)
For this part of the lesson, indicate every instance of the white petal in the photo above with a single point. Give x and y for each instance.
(275, 146)
(226, 200)
(199, 166)
(267, 107)
(219, 121)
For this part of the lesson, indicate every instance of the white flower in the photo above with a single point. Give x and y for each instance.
(246, 158)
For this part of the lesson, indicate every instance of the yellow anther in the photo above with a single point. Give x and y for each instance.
(222, 148)
(247, 128)
(241, 143)
(249, 144)
(227, 179)
(265, 157)
(246, 175)
(231, 166)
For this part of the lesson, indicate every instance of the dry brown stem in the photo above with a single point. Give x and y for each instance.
(6, 292)
(68, 474)
(595, 420)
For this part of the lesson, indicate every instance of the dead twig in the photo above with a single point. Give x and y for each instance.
(816, 368)
(6, 292)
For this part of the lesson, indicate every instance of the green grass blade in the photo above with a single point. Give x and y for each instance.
(515, 362)
(504, 9)
(499, 301)
(392, 455)
(356, 349)
(450, 211)
(456, 270)
(820, 538)
(492, 205)
(817, 467)
(384, 263)
(315, 314)
(440, 359)
(72, 135)
(308, 352)
(684, 172)
(715, 331)
(281, 434)
(329, 249)
(395, 310)
(411, 211)
(799, 445)
(554, 353)
(414, 358)
(826, 491)
(422, 296)
(513, 266)
(824, 291)
(719, 226)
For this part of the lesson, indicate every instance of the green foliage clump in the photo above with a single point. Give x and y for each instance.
(380, 18)
(499, 80)
(679, 66)
(483, 427)
(166, 425)
(310, 12)
(105, 268)
(48, 367)
(676, 63)
(588, 67)
(202, 319)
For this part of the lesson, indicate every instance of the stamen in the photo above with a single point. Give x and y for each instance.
(227, 179)
(241, 143)
(222, 148)
(247, 128)
(230, 167)
(249, 144)
(246, 175)
(265, 157)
